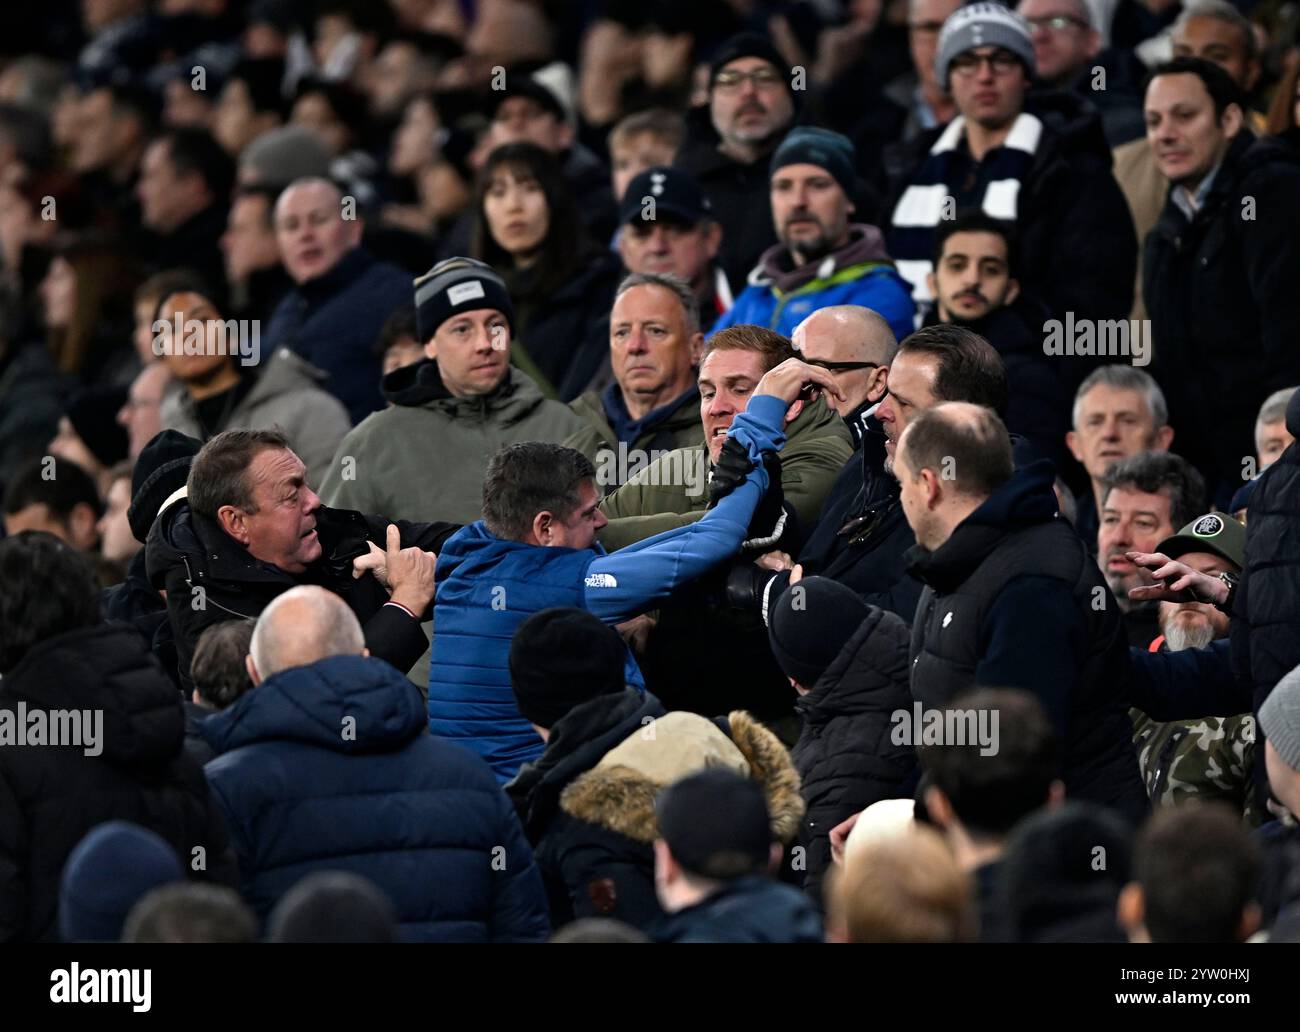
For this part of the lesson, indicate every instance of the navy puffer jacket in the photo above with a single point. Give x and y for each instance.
(330, 767)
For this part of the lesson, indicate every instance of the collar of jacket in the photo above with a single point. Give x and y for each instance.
(284, 371)
(347, 269)
(1025, 500)
(871, 672)
(1228, 175)
(420, 385)
(625, 428)
(1006, 327)
(862, 421)
(864, 250)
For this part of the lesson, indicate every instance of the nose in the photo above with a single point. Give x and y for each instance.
(720, 404)
(637, 343)
(885, 413)
(659, 240)
(601, 519)
(123, 417)
(311, 500)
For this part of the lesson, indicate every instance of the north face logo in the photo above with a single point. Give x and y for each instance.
(601, 580)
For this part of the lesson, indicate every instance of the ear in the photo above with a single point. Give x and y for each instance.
(251, 667)
(82, 526)
(933, 489)
(1130, 912)
(431, 348)
(1232, 121)
(937, 805)
(564, 135)
(665, 865)
(1164, 438)
(234, 521)
(932, 284)
(1251, 919)
(356, 227)
(1013, 291)
(792, 413)
(1252, 77)
(696, 347)
(713, 239)
(1094, 44)
(543, 527)
(1072, 442)
(365, 651)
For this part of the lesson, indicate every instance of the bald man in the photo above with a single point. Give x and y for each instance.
(326, 764)
(341, 296)
(1013, 598)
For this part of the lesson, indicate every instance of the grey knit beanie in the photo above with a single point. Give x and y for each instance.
(1279, 718)
(983, 25)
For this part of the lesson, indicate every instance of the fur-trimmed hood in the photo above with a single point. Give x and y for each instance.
(621, 796)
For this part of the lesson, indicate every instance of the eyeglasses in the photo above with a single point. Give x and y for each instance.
(1057, 23)
(1003, 62)
(762, 78)
(841, 367)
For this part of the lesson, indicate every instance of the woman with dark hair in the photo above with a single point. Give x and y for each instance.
(1284, 112)
(527, 227)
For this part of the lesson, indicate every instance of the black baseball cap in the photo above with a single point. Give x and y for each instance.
(675, 193)
(716, 824)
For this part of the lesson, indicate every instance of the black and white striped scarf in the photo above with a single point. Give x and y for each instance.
(921, 207)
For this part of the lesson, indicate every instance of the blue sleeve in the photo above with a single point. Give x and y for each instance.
(1034, 639)
(633, 579)
(1187, 684)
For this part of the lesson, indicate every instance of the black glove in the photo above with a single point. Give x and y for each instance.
(730, 471)
(745, 583)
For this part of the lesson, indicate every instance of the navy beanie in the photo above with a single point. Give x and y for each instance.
(109, 871)
(808, 145)
(810, 624)
(561, 658)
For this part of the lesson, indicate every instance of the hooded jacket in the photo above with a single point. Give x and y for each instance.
(287, 394)
(210, 577)
(424, 457)
(577, 742)
(334, 320)
(1074, 234)
(780, 295)
(673, 490)
(1014, 600)
(845, 755)
(600, 845)
(328, 767)
(1220, 294)
(51, 796)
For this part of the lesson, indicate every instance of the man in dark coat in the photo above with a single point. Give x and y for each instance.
(848, 662)
(251, 528)
(325, 765)
(1013, 598)
(1220, 266)
(342, 296)
(90, 731)
(751, 105)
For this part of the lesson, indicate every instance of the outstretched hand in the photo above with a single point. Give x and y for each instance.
(1175, 581)
(406, 573)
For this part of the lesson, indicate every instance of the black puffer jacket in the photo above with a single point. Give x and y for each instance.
(1220, 291)
(844, 755)
(50, 797)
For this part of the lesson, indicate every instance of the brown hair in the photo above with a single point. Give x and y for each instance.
(770, 345)
(104, 280)
(1281, 113)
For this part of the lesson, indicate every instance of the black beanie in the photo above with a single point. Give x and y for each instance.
(561, 658)
(458, 285)
(93, 414)
(161, 470)
(748, 44)
(810, 624)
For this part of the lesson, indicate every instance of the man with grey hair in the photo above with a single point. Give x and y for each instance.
(351, 730)
(651, 408)
(1272, 437)
(1119, 410)
(341, 296)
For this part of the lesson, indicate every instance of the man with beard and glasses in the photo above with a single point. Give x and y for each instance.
(1209, 758)
(822, 258)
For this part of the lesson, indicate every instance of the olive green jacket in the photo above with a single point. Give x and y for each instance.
(614, 465)
(673, 491)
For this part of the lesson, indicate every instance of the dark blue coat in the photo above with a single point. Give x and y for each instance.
(333, 322)
(305, 789)
(752, 909)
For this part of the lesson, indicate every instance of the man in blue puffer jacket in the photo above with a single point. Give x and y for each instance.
(325, 765)
(536, 548)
